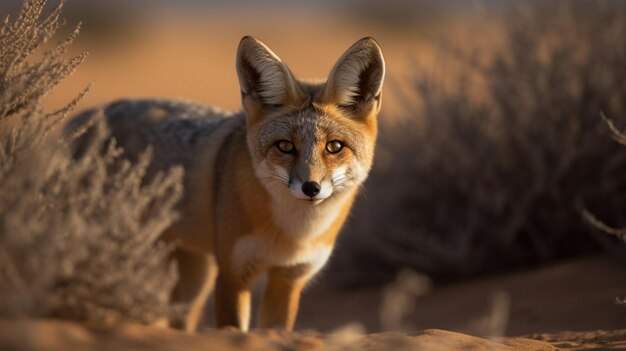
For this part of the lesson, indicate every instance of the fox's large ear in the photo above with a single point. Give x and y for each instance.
(356, 80)
(264, 80)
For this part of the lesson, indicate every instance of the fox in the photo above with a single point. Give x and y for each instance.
(266, 189)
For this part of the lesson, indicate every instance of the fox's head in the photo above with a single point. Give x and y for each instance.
(311, 141)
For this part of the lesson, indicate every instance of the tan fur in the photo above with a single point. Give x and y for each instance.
(244, 212)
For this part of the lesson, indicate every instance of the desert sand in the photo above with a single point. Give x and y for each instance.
(575, 295)
(55, 335)
(62, 335)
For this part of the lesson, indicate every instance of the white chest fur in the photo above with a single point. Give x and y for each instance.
(301, 220)
(255, 248)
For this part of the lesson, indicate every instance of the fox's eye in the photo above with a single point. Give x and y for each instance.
(285, 146)
(334, 146)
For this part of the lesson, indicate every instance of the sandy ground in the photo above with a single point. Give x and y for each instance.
(568, 306)
(54, 335)
(578, 295)
(60, 335)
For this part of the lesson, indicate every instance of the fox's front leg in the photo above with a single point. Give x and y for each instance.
(232, 301)
(279, 306)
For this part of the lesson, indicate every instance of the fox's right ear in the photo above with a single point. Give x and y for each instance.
(264, 80)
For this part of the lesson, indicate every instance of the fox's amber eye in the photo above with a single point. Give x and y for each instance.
(285, 146)
(334, 146)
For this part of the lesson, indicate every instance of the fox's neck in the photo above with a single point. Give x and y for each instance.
(302, 221)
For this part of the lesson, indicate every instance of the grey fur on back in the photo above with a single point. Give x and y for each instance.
(181, 133)
(176, 129)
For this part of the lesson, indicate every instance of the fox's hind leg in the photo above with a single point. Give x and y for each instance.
(197, 274)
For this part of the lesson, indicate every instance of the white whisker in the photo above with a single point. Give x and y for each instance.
(340, 179)
(281, 177)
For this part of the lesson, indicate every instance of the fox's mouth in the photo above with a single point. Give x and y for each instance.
(313, 201)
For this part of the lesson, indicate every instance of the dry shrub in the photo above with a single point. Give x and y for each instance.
(620, 233)
(468, 185)
(78, 237)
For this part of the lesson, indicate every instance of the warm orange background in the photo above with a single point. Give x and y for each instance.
(189, 52)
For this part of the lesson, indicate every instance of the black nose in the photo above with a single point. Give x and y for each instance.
(311, 189)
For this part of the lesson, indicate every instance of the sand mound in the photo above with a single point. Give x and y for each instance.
(48, 335)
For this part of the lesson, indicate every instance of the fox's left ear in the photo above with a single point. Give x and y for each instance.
(356, 81)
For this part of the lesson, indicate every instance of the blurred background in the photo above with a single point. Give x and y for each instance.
(187, 48)
(492, 146)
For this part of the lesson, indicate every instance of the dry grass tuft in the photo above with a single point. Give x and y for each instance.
(489, 174)
(398, 299)
(78, 237)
